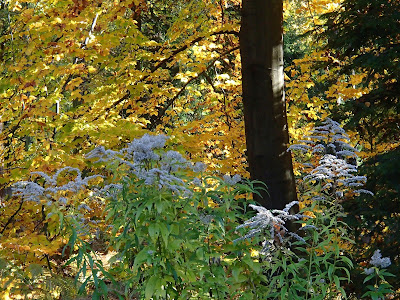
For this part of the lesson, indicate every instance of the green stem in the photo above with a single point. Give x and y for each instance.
(309, 267)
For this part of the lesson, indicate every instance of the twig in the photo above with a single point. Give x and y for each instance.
(163, 63)
(162, 111)
(12, 217)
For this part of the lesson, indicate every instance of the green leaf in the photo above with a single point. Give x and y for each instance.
(283, 292)
(151, 286)
(369, 277)
(347, 261)
(200, 253)
(254, 266)
(3, 264)
(331, 269)
(337, 281)
(366, 294)
(140, 258)
(71, 242)
(90, 261)
(138, 213)
(191, 276)
(385, 273)
(347, 273)
(164, 233)
(103, 287)
(82, 288)
(236, 271)
(154, 231)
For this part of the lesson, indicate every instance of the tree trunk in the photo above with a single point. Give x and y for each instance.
(261, 46)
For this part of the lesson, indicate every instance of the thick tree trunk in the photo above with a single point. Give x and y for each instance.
(261, 46)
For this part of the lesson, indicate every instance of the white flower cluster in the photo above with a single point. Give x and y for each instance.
(329, 138)
(232, 180)
(332, 168)
(337, 166)
(110, 190)
(336, 172)
(101, 154)
(32, 191)
(273, 220)
(206, 219)
(143, 157)
(147, 161)
(142, 149)
(378, 261)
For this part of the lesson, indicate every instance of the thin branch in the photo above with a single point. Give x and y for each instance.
(311, 13)
(168, 59)
(163, 63)
(12, 217)
(163, 110)
(13, 168)
(48, 264)
(228, 122)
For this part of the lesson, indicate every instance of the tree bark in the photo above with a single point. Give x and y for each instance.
(261, 46)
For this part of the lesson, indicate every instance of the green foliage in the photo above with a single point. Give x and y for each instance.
(380, 287)
(174, 233)
(363, 35)
(374, 221)
(179, 247)
(184, 244)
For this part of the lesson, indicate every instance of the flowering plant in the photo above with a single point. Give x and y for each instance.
(170, 227)
(378, 272)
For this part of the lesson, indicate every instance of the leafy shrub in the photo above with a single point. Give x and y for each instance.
(178, 233)
(173, 231)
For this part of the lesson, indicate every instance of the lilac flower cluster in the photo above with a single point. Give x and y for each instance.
(378, 261)
(142, 149)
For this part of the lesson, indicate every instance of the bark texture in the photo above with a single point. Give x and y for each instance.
(261, 46)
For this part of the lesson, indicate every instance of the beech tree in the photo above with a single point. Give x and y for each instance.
(261, 46)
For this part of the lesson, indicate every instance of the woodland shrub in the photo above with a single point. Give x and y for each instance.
(175, 232)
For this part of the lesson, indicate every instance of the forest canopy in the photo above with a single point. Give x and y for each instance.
(198, 149)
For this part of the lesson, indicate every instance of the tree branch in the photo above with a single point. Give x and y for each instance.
(12, 217)
(163, 63)
(168, 59)
(161, 112)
